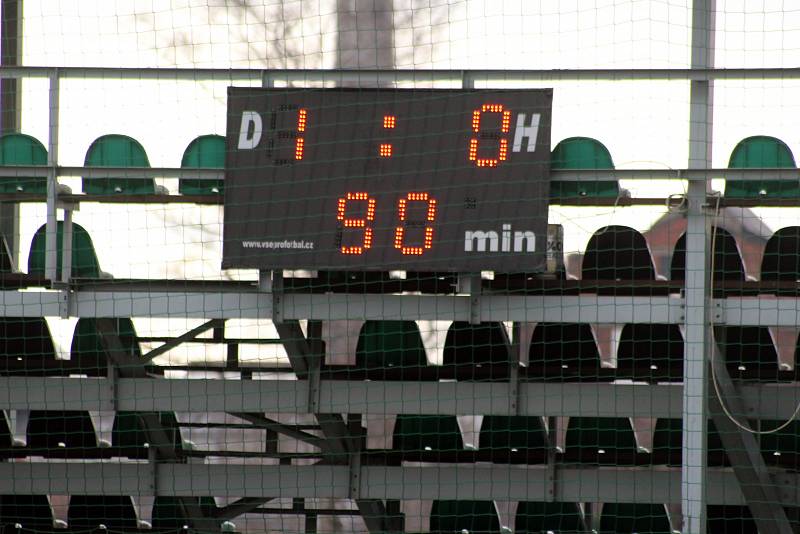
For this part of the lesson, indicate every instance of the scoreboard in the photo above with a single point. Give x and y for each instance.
(381, 179)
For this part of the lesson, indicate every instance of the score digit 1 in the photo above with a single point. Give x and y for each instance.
(399, 234)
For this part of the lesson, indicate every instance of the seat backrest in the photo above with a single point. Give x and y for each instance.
(116, 150)
(617, 253)
(56, 429)
(642, 518)
(728, 263)
(761, 151)
(470, 344)
(477, 517)
(129, 432)
(169, 514)
(521, 433)
(31, 511)
(87, 350)
(84, 258)
(652, 350)
(566, 344)
(113, 511)
(557, 517)
(22, 149)
(390, 344)
(419, 433)
(782, 256)
(730, 519)
(581, 153)
(206, 151)
(607, 433)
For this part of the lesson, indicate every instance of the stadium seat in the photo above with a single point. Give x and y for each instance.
(116, 150)
(21, 149)
(600, 440)
(624, 518)
(59, 430)
(205, 152)
(581, 153)
(555, 517)
(728, 264)
(782, 447)
(33, 512)
(26, 347)
(476, 352)
(668, 443)
(169, 514)
(84, 258)
(416, 435)
(88, 512)
(564, 351)
(650, 352)
(761, 152)
(781, 263)
(727, 519)
(390, 350)
(129, 433)
(87, 353)
(748, 351)
(476, 517)
(514, 439)
(617, 253)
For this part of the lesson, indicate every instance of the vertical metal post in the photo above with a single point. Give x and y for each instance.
(697, 296)
(51, 260)
(10, 107)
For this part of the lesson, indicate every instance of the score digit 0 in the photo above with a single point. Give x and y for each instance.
(399, 234)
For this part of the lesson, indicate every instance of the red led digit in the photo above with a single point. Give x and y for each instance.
(385, 149)
(399, 233)
(357, 223)
(300, 142)
(505, 125)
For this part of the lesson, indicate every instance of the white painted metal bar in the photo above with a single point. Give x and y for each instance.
(52, 183)
(462, 482)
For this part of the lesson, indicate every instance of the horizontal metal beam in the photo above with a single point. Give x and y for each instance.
(467, 482)
(254, 305)
(775, 401)
(572, 175)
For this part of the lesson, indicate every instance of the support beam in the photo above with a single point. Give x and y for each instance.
(260, 421)
(755, 483)
(239, 507)
(128, 365)
(188, 336)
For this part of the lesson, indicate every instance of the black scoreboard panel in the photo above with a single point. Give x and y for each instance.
(381, 179)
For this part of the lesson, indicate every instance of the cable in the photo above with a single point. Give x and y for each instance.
(717, 392)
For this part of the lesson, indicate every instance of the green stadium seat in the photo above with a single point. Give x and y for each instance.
(761, 152)
(668, 443)
(514, 439)
(782, 256)
(422, 434)
(129, 433)
(59, 430)
(624, 518)
(21, 149)
(33, 512)
(390, 350)
(600, 440)
(749, 352)
(581, 153)
(728, 264)
(617, 253)
(650, 352)
(88, 512)
(169, 514)
(476, 352)
(782, 447)
(564, 351)
(205, 152)
(116, 150)
(555, 517)
(84, 258)
(476, 517)
(26, 347)
(87, 352)
(727, 519)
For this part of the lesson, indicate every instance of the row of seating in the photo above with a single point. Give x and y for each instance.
(88, 512)
(35, 513)
(208, 151)
(113, 150)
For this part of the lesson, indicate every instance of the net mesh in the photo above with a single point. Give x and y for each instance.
(311, 303)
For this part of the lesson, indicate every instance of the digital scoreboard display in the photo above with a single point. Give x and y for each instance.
(384, 179)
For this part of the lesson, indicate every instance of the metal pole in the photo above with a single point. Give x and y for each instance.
(51, 260)
(695, 383)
